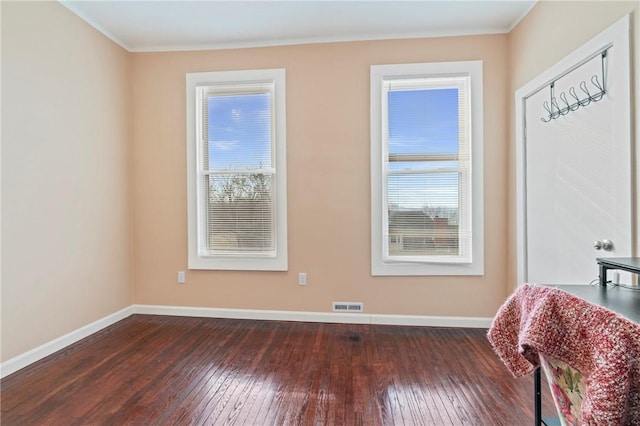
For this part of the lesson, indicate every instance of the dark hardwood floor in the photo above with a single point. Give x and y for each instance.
(160, 370)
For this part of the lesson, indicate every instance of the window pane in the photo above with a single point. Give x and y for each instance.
(237, 186)
(240, 216)
(423, 121)
(424, 218)
(239, 131)
(423, 190)
(423, 215)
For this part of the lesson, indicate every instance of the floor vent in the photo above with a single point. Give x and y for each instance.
(347, 307)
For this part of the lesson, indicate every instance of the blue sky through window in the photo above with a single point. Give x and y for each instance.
(423, 122)
(239, 131)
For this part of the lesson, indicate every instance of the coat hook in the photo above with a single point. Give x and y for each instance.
(586, 101)
(553, 108)
(545, 105)
(554, 103)
(572, 92)
(600, 93)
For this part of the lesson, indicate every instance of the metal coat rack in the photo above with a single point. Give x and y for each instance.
(552, 106)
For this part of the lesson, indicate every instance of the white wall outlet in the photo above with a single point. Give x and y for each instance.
(302, 278)
(181, 277)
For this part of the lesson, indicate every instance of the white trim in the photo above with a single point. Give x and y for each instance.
(318, 40)
(431, 321)
(327, 317)
(252, 314)
(42, 351)
(618, 33)
(279, 262)
(14, 364)
(521, 195)
(378, 74)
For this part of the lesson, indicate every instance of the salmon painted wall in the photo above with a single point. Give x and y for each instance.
(328, 170)
(66, 217)
(95, 138)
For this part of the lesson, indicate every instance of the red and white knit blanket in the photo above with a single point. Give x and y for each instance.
(600, 344)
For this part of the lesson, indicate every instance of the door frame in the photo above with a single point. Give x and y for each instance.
(618, 35)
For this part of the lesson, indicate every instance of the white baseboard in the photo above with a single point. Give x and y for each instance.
(253, 314)
(36, 354)
(432, 321)
(329, 317)
(55, 345)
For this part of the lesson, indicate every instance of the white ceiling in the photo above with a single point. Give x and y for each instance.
(139, 25)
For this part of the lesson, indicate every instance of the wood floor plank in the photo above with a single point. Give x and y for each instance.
(161, 370)
(125, 387)
(33, 381)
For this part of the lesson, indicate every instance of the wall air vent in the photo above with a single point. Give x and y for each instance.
(348, 307)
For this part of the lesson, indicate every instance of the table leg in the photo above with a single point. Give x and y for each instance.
(537, 397)
(603, 275)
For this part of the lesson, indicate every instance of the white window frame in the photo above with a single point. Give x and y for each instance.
(278, 261)
(380, 265)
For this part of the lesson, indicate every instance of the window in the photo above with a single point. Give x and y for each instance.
(237, 170)
(426, 169)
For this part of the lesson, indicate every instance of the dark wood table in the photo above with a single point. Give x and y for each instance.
(621, 300)
(630, 264)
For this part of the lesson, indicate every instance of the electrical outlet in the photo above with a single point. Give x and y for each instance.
(302, 278)
(181, 277)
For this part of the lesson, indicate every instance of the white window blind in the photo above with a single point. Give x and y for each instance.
(237, 183)
(237, 169)
(427, 169)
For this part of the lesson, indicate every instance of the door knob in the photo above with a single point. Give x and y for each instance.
(606, 245)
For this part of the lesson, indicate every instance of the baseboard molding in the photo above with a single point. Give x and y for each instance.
(432, 321)
(252, 314)
(328, 317)
(14, 364)
(21, 361)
